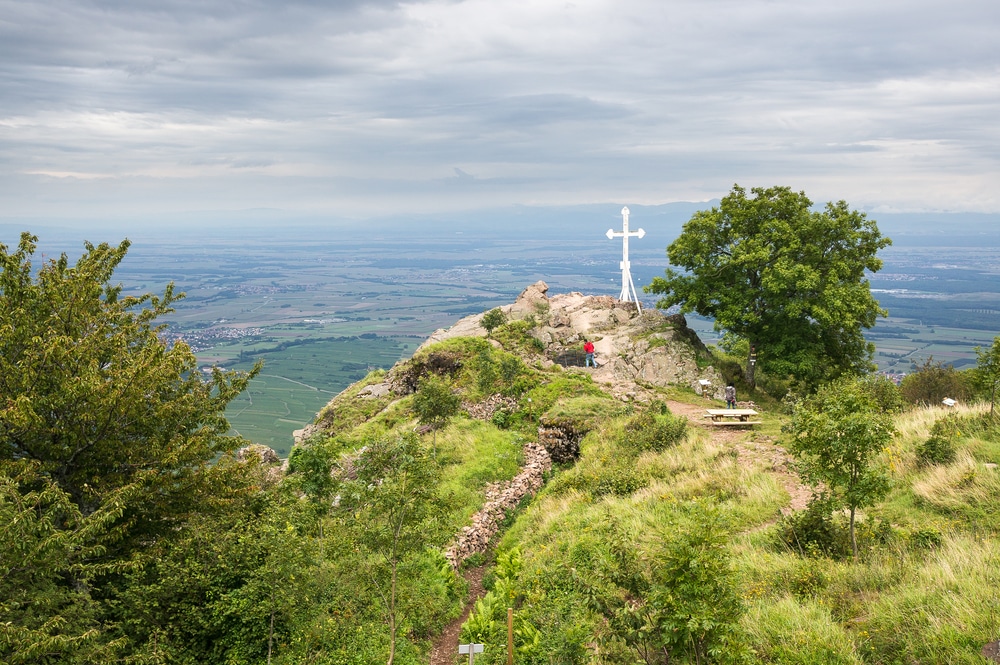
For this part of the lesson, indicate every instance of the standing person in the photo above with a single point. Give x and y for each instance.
(588, 348)
(730, 396)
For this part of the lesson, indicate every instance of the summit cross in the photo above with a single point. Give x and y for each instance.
(628, 293)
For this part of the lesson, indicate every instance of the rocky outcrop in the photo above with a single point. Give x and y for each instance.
(630, 348)
(561, 441)
(266, 455)
(500, 499)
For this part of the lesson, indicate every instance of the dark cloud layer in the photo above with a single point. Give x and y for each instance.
(364, 108)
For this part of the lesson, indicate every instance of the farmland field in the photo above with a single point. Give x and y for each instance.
(323, 305)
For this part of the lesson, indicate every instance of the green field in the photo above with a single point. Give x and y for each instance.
(299, 380)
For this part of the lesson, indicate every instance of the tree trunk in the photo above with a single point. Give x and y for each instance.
(392, 615)
(750, 375)
(854, 542)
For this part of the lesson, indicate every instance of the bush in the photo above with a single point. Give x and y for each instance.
(932, 382)
(814, 531)
(939, 448)
(653, 431)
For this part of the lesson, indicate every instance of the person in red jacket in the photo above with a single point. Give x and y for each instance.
(588, 348)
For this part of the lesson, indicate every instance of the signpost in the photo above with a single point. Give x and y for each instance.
(628, 293)
(471, 649)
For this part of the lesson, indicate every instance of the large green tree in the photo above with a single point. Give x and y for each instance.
(90, 391)
(785, 278)
(109, 442)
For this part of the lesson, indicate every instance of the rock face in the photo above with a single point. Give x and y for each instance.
(650, 348)
(560, 441)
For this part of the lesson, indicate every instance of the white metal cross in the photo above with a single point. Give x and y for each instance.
(628, 293)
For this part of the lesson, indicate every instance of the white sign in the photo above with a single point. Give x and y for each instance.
(471, 649)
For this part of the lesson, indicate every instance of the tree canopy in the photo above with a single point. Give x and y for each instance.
(786, 279)
(110, 440)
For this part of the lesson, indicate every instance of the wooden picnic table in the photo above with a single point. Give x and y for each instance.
(732, 416)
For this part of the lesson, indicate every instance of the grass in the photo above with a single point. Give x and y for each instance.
(926, 589)
(473, 454)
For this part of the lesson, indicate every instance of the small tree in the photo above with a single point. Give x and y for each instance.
(435, 403)
(987, 373)
(493, 319)
(388, 506)
(837, 436)
(932, 382)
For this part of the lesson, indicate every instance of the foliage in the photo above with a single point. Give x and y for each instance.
(92, 394)
(932, 382)
(110, 443)
(45, 541)
(939, 447)
(987, 372)
(788, 280)
(837, 436)
(563, 387)
(388, 509)
(493, 319)
(684, 605)
(653, 431)
(435, 402)
(885, 395)
(515, 337)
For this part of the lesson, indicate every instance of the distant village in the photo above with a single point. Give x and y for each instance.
(202, 340)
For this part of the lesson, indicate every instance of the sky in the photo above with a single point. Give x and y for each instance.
(138, 110)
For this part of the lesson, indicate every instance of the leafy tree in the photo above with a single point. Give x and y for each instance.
(932, 382)
(789, 280)
(435, 403)
(387, 508)
(47, 559)
(493, 319)
(110, 440)
(987, 373)
(837, 435)
(90, 391)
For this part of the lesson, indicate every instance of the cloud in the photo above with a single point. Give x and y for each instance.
(366, 107)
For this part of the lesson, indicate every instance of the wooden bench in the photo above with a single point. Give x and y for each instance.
(732, 417)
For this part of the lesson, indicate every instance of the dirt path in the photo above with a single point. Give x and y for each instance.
(445, 648)
(752, 451)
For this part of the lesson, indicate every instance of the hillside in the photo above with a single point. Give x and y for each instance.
(604, 510)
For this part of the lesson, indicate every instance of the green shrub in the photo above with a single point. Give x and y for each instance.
(653, 431)
(939, 448)
(932, 382)
(814, 531)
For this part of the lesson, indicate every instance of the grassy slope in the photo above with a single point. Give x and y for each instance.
(925, 591)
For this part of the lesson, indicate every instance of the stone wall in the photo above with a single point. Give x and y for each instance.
(500, 499)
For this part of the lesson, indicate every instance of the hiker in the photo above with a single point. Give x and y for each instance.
(588, 348)
(730, 396)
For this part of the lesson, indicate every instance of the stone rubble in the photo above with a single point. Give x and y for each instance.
(500, 498)
(486, 409)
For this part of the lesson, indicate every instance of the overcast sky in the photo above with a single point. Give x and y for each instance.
(140, 108)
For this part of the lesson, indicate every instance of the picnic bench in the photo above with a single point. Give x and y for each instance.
(732, 417)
